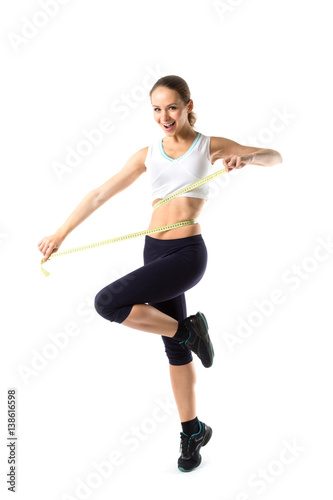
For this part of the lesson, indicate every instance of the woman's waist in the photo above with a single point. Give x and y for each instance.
(159, 219)
(191, 228)
(175, 241)
(172, 214)
(177, 211)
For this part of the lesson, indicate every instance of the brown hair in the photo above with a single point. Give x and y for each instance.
(178, 84)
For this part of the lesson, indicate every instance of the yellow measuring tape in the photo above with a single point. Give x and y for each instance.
(147, 231)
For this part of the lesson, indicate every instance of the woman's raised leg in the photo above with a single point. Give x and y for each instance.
(149, 319)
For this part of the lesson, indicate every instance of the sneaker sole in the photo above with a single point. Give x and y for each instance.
(202, 319)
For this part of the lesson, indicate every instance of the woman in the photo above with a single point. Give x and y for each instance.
(152, 298)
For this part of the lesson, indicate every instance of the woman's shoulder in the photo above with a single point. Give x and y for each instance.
(203, 137)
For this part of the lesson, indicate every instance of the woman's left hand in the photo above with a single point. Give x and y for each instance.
(236, 161)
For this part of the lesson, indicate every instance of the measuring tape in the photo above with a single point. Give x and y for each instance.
(147, 231)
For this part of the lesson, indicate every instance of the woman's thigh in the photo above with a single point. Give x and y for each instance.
(157, 281)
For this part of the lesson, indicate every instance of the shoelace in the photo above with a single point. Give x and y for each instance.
(185, 442)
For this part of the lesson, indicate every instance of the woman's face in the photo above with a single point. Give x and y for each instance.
(170, 109)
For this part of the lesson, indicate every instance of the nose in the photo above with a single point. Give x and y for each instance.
(165, 118)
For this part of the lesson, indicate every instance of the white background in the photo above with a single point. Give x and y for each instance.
(245, 62)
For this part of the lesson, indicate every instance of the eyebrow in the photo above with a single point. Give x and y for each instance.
(155, 105)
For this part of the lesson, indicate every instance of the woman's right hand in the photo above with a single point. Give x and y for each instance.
(50, 244)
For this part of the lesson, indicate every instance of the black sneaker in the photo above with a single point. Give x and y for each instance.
(190, 457)
(198, 340)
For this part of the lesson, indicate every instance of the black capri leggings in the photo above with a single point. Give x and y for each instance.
(170, 268)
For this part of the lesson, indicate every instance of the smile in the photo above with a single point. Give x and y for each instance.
(168, 126)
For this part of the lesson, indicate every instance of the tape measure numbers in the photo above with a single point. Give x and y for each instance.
(147, 231)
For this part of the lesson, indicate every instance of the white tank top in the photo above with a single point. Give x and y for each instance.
(167, 174)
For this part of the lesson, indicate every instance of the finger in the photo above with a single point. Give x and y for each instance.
(234, 161)
(44, 247)
(48, 249)
(41, 247)
(47, 255)
(227, 167)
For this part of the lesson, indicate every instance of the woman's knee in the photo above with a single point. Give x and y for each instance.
(103, 302)
(109, 306)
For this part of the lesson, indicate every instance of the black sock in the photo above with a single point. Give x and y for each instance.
(182, 333)
(191, 426)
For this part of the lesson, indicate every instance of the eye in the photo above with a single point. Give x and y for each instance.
(156, 109)
(173, 107)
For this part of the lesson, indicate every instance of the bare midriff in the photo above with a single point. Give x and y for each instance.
(177, 210)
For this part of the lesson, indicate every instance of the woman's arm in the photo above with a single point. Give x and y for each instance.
(235, 155)
(132, 169)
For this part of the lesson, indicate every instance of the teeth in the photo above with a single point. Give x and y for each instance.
(168, 124)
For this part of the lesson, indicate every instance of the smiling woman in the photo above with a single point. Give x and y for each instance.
(183, 96)
(152, 297)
